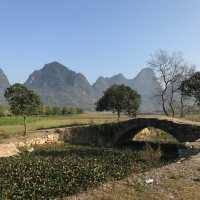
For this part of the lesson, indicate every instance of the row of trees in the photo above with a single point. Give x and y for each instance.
(45, 111)
(55, 110)
(175, 77)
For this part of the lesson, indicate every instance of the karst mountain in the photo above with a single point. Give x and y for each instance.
(59, 86)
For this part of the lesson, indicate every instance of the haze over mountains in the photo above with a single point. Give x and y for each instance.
(4, 83)
(59, 86)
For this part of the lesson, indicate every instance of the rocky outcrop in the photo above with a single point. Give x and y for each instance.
(59, 86)
(146, 84)
(4, 84)
(52, 138)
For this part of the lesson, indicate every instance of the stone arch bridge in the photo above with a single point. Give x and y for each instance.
(118, 133)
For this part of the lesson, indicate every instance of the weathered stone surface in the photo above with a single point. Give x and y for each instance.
(117, 133)
(46, 139)
(13, 148)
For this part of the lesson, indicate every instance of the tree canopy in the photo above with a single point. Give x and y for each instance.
(191, 87)
(119, 98)
(22, 101)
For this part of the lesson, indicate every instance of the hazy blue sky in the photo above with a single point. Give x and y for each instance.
(95, 37)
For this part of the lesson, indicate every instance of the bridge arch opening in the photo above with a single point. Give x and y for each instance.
(155, 143)
(156, 135)
(148, 133)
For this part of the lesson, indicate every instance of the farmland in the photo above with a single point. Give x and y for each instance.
(13, 125)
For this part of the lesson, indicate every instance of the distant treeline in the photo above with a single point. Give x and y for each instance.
(55, 110)
(46, 110)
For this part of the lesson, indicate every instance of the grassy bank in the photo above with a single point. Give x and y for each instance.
(14, 125)
(58, 171)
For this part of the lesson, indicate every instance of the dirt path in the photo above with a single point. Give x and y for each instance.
(7, 150)
(176, 181)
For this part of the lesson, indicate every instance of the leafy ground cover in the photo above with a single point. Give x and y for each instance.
(57, 171)
(175, 181)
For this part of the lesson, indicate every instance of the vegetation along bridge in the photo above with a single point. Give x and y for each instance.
(118, 133)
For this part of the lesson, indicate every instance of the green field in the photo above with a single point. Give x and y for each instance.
(14, 125)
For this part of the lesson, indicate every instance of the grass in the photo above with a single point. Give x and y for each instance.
(10, 126)
(193, 117)
(60, 170)
(14, 125)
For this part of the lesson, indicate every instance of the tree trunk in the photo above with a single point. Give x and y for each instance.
(118, 115)
(182, 107)
(163, 105)
(25, 126)
(171, 106)
(171, 100)
(172, 109)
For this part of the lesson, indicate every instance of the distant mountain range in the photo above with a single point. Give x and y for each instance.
(59, 86)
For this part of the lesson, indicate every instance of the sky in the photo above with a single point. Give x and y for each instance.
(95, 37)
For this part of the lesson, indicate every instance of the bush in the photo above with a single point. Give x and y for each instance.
(55, 110)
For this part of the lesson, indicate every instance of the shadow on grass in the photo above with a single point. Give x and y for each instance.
(76, 151)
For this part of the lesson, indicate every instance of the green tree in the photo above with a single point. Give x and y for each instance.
(64, 111)
(22, 101)
(119, 98)
(191, 87)
(72, 111)
(2, 111)
(56, 110)
(79, 111)
(48, 110)
(42, 110)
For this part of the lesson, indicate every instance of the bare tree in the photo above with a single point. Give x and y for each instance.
(171, 70)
